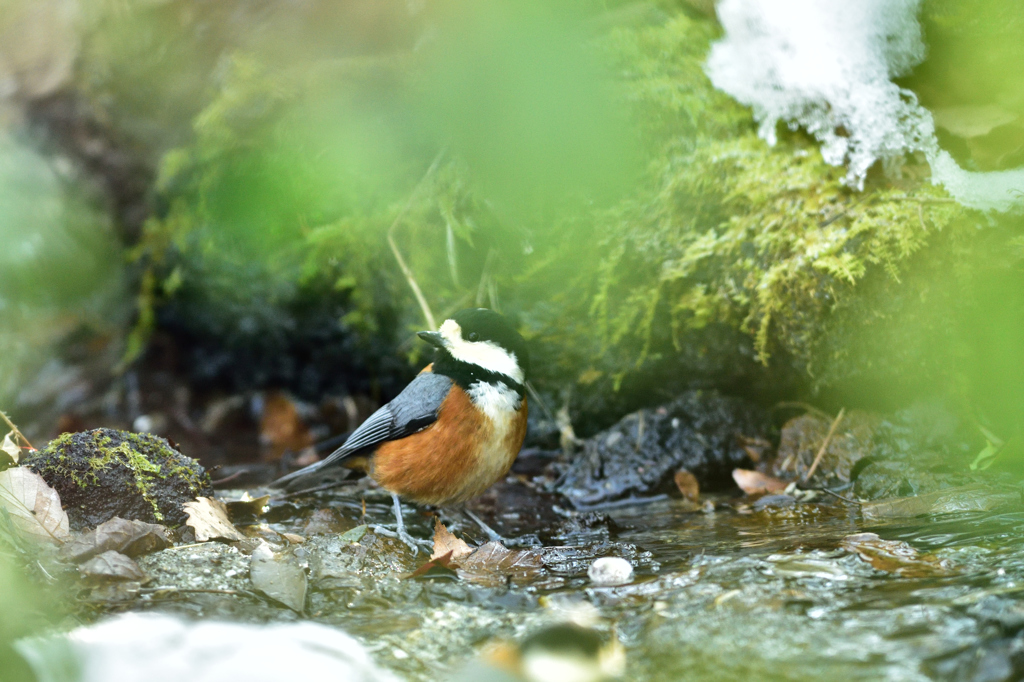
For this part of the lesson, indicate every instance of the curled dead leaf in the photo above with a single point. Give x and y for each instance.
(112, 566)
(209, 519)
(33, 506)
(446, 544)
(688, 485)
(247, 510)
(132, 538)
(755, 483)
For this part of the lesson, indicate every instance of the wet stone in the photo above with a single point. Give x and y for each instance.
(105, 473)
(700, 431)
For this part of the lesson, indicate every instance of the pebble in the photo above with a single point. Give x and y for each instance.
(610, 570)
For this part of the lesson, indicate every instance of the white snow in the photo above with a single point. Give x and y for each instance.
(827, 66)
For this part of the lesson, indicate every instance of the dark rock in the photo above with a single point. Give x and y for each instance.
(105, 473)
(802, 437)
(699, 431)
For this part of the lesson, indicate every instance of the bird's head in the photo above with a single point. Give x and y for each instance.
(481, 339)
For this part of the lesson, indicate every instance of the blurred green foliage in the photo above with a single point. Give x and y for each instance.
(572, 166)
(56, 252)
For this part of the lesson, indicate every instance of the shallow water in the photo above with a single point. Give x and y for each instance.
(734, 593)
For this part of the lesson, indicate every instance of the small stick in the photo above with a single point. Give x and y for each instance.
(424, 306)
(17, 432)
(824, 445)
(540, 401)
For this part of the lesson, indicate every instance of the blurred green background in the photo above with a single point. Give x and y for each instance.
(229, 174)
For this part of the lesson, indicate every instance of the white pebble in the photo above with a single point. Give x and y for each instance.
(610, 570)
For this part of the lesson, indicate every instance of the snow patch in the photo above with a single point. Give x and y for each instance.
(828, 65)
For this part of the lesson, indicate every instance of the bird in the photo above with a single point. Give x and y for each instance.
(454, 430)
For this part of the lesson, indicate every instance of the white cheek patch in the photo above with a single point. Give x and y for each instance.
(485, 354)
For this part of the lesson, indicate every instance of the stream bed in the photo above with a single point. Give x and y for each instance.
(736, 589)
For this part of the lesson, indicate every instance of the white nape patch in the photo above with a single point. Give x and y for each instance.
(485, 354)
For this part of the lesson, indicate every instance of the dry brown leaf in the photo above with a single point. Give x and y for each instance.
(755, 483)
(209, 519)
(443, 561)
(494, 564)
(688, 485)
(34, 507)
(111, 566)
(10, 447)
(892, 556)
(447, 544)
(133, 538)
(246, 510)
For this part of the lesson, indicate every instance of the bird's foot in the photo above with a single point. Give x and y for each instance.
(530, 540)
(412, 543)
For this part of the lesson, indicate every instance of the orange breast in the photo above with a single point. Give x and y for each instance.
(454, 459)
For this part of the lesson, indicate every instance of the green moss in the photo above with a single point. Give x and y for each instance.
(720, 230)
(87, 460)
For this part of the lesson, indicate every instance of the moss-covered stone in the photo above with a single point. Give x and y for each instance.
(105, 473)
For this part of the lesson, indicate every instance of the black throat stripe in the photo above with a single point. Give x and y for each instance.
(466, 374)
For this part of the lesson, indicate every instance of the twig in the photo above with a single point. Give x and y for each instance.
(540, 401)
(17, 432)
(424, 306)
(824, 445)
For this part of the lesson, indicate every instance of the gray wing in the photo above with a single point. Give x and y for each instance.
(412, 410)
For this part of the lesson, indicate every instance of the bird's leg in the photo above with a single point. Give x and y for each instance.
(528, 540)
(399, 532)
(488, 531)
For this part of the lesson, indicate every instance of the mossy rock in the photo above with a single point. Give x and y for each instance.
(105, 473)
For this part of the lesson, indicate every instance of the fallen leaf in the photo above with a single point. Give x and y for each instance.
(754, 482)
(247, 510)
(495, 565)
(33, 506)
(442, 562)
(279, 576)
(972, 498)
(354, 534)
(688, 485)
(133, 538)
(209, 519)
(896, 557)
(10, 447)
(112, 566)
(447, 544)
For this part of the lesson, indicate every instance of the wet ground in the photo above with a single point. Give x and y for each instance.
(751, 590)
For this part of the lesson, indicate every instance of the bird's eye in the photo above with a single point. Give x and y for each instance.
(473, 336)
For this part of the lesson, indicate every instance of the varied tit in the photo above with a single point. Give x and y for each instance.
(454, 430)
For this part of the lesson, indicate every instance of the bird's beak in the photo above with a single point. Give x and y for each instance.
(433, 338)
